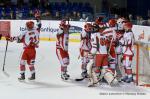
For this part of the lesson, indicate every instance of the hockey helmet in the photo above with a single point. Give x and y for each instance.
(112, 22)
(99, 20)
(87, 27)
(30, 24)
(127, 25)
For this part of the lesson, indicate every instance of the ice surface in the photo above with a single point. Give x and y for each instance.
(48, 84)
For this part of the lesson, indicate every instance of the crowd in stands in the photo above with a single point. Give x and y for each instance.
(49, 10)
(77, 11)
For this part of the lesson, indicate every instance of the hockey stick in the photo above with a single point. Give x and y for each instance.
(80, 79)
(5, 57)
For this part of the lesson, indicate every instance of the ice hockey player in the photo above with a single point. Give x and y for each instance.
(110, 34)
(85, 47)
(127, 42)
(102, 25)
(99, 51)
(62, 48)
(119, 34)
(30, 40)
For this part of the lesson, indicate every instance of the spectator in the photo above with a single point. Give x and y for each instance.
(57, 16)
(11, 14)
(78, 16)
(31, 14)
(74, 16)
(116, 16)
(18, 15)
(148, 21)
(130, 17)
(3, 15)
(139, 20)
(84, 18)
(46, 13)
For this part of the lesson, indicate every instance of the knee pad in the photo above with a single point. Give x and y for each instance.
(65, 61)
(23, 62)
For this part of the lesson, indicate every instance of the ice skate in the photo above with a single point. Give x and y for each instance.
(32, 77)
(65, 76)
(124, 78)
(22, 77)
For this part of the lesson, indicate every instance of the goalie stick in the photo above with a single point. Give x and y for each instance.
(80, 79)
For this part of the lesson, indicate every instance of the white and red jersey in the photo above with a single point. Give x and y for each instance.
(29, 38)
(62, 39)
(110, 34)
(119, 36)
(128, 42)
(98, 42)
(102, 26)
(85, 43)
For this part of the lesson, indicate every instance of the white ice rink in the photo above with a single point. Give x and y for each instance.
(48, 84)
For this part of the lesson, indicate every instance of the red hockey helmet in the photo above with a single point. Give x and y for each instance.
(112, 22)
(88, 27)
(127, 25)
(99, 20)
(30, 24)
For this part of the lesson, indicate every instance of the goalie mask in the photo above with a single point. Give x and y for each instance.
(30, 25)
(120, 23)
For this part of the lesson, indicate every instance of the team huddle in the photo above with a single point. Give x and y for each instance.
(107, 44)
(103, 46)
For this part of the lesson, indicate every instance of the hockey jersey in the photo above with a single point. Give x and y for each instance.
(128, 42)
(30, 39)
(85, 43)
(98, 42)
(62, 39)
(110, 35)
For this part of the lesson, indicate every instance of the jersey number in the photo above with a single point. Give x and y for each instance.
(102, 41)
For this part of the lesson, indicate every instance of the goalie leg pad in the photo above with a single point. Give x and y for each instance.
(109, 77)
(92, 75)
